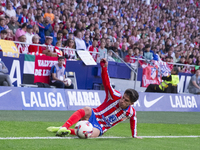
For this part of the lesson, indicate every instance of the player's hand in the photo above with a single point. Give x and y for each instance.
(137, 137)
(104, 62)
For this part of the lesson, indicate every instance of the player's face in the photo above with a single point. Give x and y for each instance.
(125, 101)
(61, 62)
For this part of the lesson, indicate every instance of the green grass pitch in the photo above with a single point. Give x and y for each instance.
(34, 124)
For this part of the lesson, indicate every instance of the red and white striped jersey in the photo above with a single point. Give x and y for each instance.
(93, 49)
(69, 53)
(23, 48)
(109, 114)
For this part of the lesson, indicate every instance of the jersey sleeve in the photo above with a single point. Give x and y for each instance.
(53, 69)
(110, 92)
(133, 124)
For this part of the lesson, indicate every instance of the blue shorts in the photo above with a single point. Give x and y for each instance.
(95, 123)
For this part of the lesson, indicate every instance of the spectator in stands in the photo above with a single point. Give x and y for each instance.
(39, 12)
(2, 23)
(93, 48)
(10, 36)
(49, 14)
(80, 44)
(42, 28)
(49, 31)
(61, 25)
(49, 49)
(57, 49)
(123, 52)
(55, 21)
(65, 35)
(23, 48)
(109, 45)
(129, 58)
(18, 13)
(20, 31)
(35, 29)
(102, 50)
(116, 57)
(12, 24)
(68, 52)
(58, 38)
(55, 30)
(110, 56)
(23, 18)
(29, 34)
(176, 57)
(181, 67)
(10, 11)
(57, 76)
(33, 49)
(147, 54)
(194, 84)
(87, 41)
(4, 78)
(71, 36)
(3, 35)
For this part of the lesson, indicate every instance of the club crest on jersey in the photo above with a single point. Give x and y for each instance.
(112, 118)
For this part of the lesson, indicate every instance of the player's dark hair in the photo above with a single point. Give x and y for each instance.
(61, 57)
(133, 94)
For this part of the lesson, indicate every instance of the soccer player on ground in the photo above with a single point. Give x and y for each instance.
(114, 109)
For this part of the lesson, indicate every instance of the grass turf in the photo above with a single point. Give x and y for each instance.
(34, 123)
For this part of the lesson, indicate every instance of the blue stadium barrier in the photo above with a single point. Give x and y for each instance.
(19, 98)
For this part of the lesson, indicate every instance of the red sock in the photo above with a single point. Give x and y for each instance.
(72, 131)
(75, 117)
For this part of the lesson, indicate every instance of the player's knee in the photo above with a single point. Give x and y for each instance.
(88, 111)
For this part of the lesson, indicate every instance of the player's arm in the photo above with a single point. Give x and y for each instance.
(133, 125)
(106, 80)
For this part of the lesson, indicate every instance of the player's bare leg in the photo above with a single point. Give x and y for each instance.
(95, 133)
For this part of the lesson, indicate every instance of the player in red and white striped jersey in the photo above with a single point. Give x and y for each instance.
(114, 109)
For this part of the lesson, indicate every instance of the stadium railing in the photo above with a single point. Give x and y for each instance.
(133, 67)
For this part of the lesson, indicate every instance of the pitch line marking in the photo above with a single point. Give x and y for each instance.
(103, 137)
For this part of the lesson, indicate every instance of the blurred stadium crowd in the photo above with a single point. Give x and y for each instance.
(166, 30)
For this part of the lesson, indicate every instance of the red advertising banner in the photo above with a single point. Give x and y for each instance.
(43, 66)
(149, 76)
